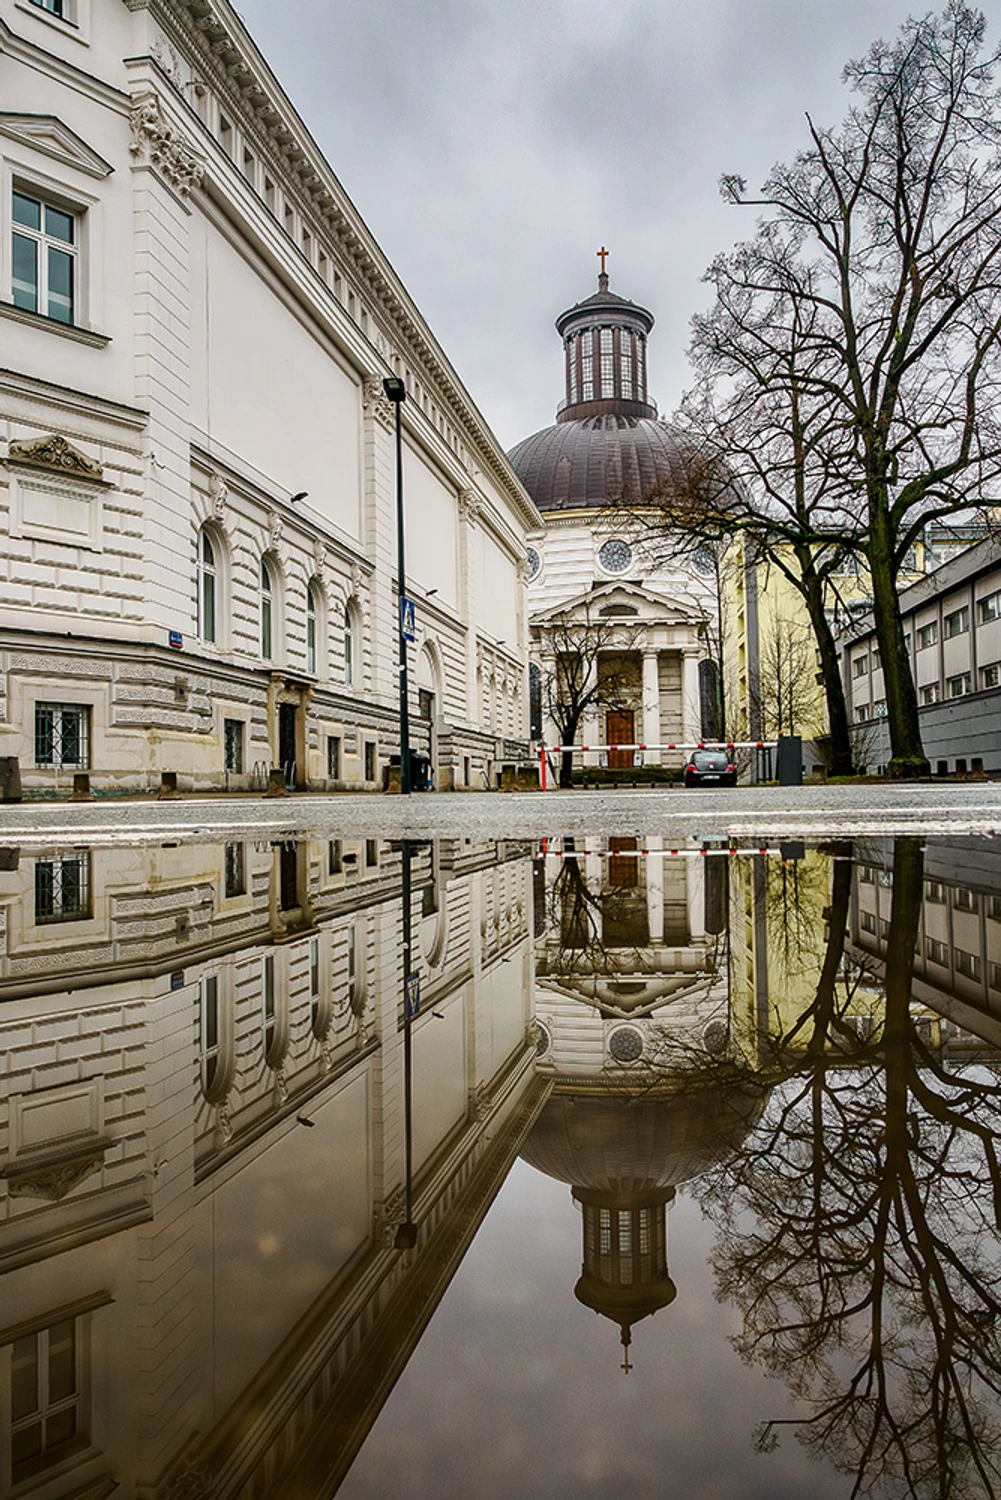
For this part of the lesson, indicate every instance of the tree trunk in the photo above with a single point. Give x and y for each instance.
(908, 758)
(842, 763)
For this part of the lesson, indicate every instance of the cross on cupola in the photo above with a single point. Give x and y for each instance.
(602, 255)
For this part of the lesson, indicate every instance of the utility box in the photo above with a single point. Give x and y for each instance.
(790, 760)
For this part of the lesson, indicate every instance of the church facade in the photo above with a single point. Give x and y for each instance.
(197, 466)
(642, 611)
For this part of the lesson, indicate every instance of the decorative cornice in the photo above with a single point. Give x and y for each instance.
(375, 400)
(55, 455)
(229, 61)
(53, 1178)
(163, 146)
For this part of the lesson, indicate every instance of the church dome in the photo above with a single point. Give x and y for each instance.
(607, 443)
(627, 1145)
(592, 462)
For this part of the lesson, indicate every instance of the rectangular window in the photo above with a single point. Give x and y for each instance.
(994, 977)
(994, 908)
(46, 1415)
(268, 1003)
(868, 922)
(236, 870)
(860, 666)
(969, 964)
(928, 635)
(334, 857)
(964, 899)
(959, 686)
(314, 966)
(62, 887)
(866, 875)
(929, 693)
(371, 853)
(334, 757)
(44, 257)
(62, 736)
(934, 892)
(626, 369)
(54, 7)
(936, 951)
(586, 367)
(957, 623)
(990, 676)
(369, 760)
(861, 713)
(233, 737)
(988, 609)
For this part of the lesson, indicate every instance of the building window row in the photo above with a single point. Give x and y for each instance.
(209, 616)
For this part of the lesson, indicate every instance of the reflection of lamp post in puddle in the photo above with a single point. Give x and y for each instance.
(406, 1233)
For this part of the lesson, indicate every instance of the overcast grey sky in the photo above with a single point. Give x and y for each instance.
(494, 145)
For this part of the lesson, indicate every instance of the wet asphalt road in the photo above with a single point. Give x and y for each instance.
(876, 810)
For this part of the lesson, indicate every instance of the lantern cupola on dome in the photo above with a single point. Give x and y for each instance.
(604, 343)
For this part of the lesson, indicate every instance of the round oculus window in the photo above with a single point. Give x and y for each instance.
(703, 560)
(534, 563)
(615, 556)
(626, 1044)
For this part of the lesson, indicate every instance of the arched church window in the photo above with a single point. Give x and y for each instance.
(267, 610)
(615, 555)
(207, 588)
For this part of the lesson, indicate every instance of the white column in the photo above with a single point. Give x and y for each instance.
(651, 706)
(592, 730)
(691, 705)
(696, 877)
(655, 894)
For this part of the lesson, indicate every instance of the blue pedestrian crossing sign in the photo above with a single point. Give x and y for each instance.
(408, 621)
(413, 995)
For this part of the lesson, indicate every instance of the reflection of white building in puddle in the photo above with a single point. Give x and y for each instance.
(957, 958)
(631, 984)
(204, 1124)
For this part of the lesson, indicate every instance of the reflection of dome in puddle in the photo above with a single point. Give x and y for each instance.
(626, 1144)
(624, 1155)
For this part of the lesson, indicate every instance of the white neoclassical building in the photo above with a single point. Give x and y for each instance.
(197, 467)
(608, 449)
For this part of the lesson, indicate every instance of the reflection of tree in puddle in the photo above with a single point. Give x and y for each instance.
(868, 1279)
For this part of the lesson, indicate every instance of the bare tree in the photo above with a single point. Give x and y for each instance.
(784, 692)
(878, 267)
(581, 670)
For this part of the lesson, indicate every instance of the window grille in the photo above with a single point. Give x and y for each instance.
(62, 736)
(62, 887)
(236, 880)
(233, 735)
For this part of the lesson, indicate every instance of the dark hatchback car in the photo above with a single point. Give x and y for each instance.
(710, 768)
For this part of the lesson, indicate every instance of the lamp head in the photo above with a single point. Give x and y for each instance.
(302, 495)
(395, 389)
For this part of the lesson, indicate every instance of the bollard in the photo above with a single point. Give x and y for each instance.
(276, 783)
(10, 778)
(790, 760)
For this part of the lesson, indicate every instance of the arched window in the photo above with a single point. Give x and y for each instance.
(350, 645)
(311, 613)
(207, 589)
(267, 610)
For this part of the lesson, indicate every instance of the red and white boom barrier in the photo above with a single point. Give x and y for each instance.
(545, 750)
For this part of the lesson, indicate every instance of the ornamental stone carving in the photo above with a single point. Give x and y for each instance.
(164, 147)
(223, 1124)
(470, 506)
(53, 1180)
(165, 56)
(190, 1484)
(479, 1101)
(57, 456)
(276, 527)
(218, 494)
(320, 560)
(389, 1215)
(356, 580)
(375, 401)
(524, 570)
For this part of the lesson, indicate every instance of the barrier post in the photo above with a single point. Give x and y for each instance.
(542, 768)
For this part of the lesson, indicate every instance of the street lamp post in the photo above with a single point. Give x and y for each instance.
(396, 392)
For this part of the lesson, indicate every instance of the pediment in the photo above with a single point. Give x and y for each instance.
(48, 134)
(630, 602)
(54, 455)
